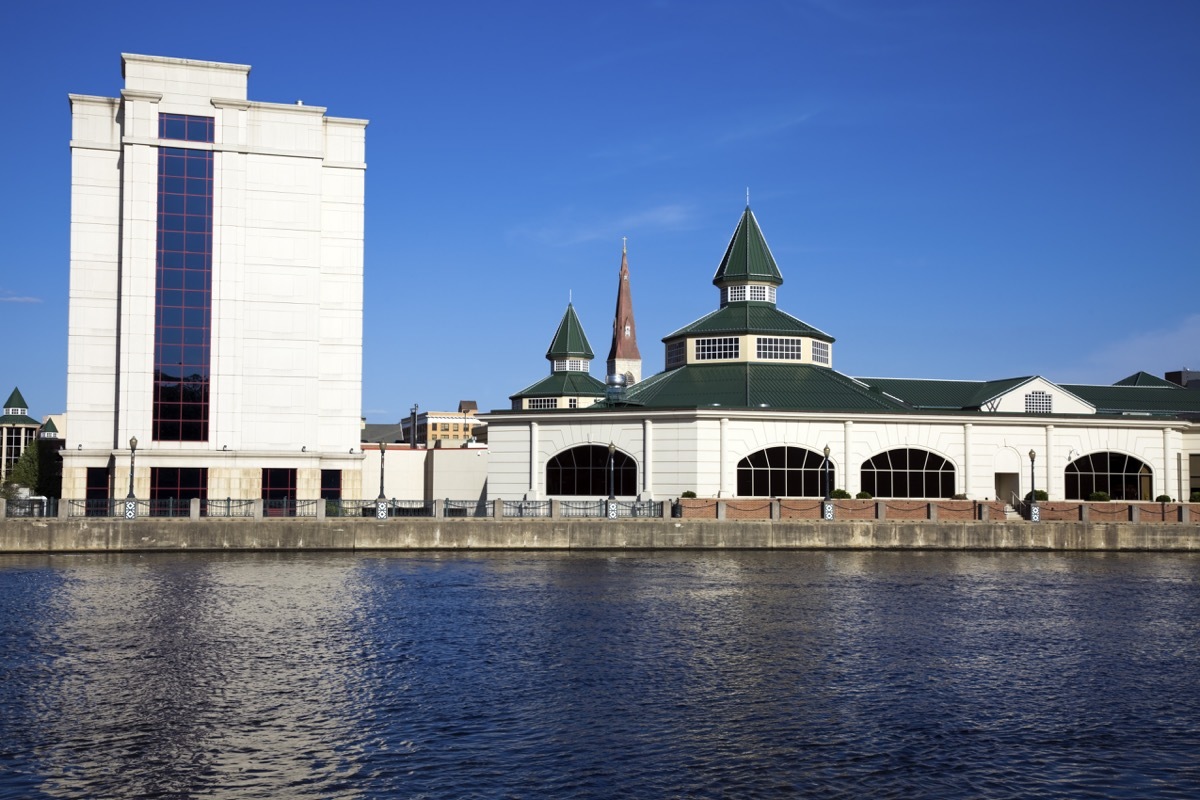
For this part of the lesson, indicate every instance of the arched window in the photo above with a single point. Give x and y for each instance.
(908, 472)
(584, 472)
(1122, 477)
(783, 472)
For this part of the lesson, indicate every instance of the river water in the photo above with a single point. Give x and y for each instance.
(556, 675)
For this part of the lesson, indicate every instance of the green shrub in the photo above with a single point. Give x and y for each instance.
(864, 496)
(1099, 497)
(1163, 498)
(1195, 498)
(840, 494)
(1040, 494)
(688, 494)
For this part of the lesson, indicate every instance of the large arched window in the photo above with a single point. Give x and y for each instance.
(783, 472)
(908, 472)
(584, 472)
(1122, 477)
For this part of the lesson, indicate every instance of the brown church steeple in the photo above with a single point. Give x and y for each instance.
(623, 357)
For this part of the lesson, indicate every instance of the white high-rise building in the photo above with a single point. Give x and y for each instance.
(216, 290)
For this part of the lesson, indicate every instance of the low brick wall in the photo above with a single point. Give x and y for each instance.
(852, 509)
(1065, 511)
(748, 509)
(695, 508)
(800, 509)
(905, 509)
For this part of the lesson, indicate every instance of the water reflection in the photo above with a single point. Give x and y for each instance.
(600, 675)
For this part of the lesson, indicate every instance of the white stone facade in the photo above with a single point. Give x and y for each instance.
(699, 450)
(286, 283)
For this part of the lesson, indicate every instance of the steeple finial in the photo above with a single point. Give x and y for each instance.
(623, 240)
(747, 197)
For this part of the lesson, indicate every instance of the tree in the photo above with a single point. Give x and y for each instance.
(25, 472)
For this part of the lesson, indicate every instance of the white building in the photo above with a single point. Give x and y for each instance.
(215, 292)
(749, 404)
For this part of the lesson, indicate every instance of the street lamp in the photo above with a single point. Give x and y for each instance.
(382, 458)
(132, 459)
(1032, 477)
(1034, 513)
(827, 473)
(612, 453)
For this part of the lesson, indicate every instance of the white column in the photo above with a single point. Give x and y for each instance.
(851, 481)
(1165, 483)
(1051, 487)
(648, 458)
(723, 491)
(965, 486)
(534, 483)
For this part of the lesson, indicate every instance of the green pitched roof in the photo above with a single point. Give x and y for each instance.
(792, 387)
(563, 384)
(939, 394)
(747, 258)
(750, 317)
(15, 400)
(49, 427)
(1170, 400)
(1146, 379)
(569, 340)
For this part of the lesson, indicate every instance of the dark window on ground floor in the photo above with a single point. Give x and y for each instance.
(585, 471)
(908, 472)
(1120, 476)
(784, 472)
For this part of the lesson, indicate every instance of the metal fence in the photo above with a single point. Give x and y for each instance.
(228, 508)
(468, 508)
(32, 507)
(526, 508)
(582, 508)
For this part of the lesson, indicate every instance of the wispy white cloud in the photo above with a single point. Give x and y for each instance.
(1155, 351)
(670, 216)
(701, 137)
(9, 297)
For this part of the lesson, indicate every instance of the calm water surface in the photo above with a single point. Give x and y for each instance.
(740, 675)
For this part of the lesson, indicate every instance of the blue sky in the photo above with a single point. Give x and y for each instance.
(952, 189)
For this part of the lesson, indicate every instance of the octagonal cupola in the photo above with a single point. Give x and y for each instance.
(748, 272)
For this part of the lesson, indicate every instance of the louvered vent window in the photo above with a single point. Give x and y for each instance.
(1039, 402)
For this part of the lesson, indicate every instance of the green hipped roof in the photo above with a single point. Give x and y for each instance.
(563, 384)
(1120, 399)
(15, 400)
(792, 387)
(1146, 379)
(569, 340)
(747, 258)
(1161, 399)
(49, 427)
(750, 317)
(940, 394)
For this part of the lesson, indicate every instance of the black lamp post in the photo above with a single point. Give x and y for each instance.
(1032, 478)
(1034, 513)
(412, 427)
(382, 459)
(826, 472)
(612, 453)
(132, 460)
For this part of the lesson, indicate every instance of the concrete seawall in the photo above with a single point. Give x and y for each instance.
(81, 535)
